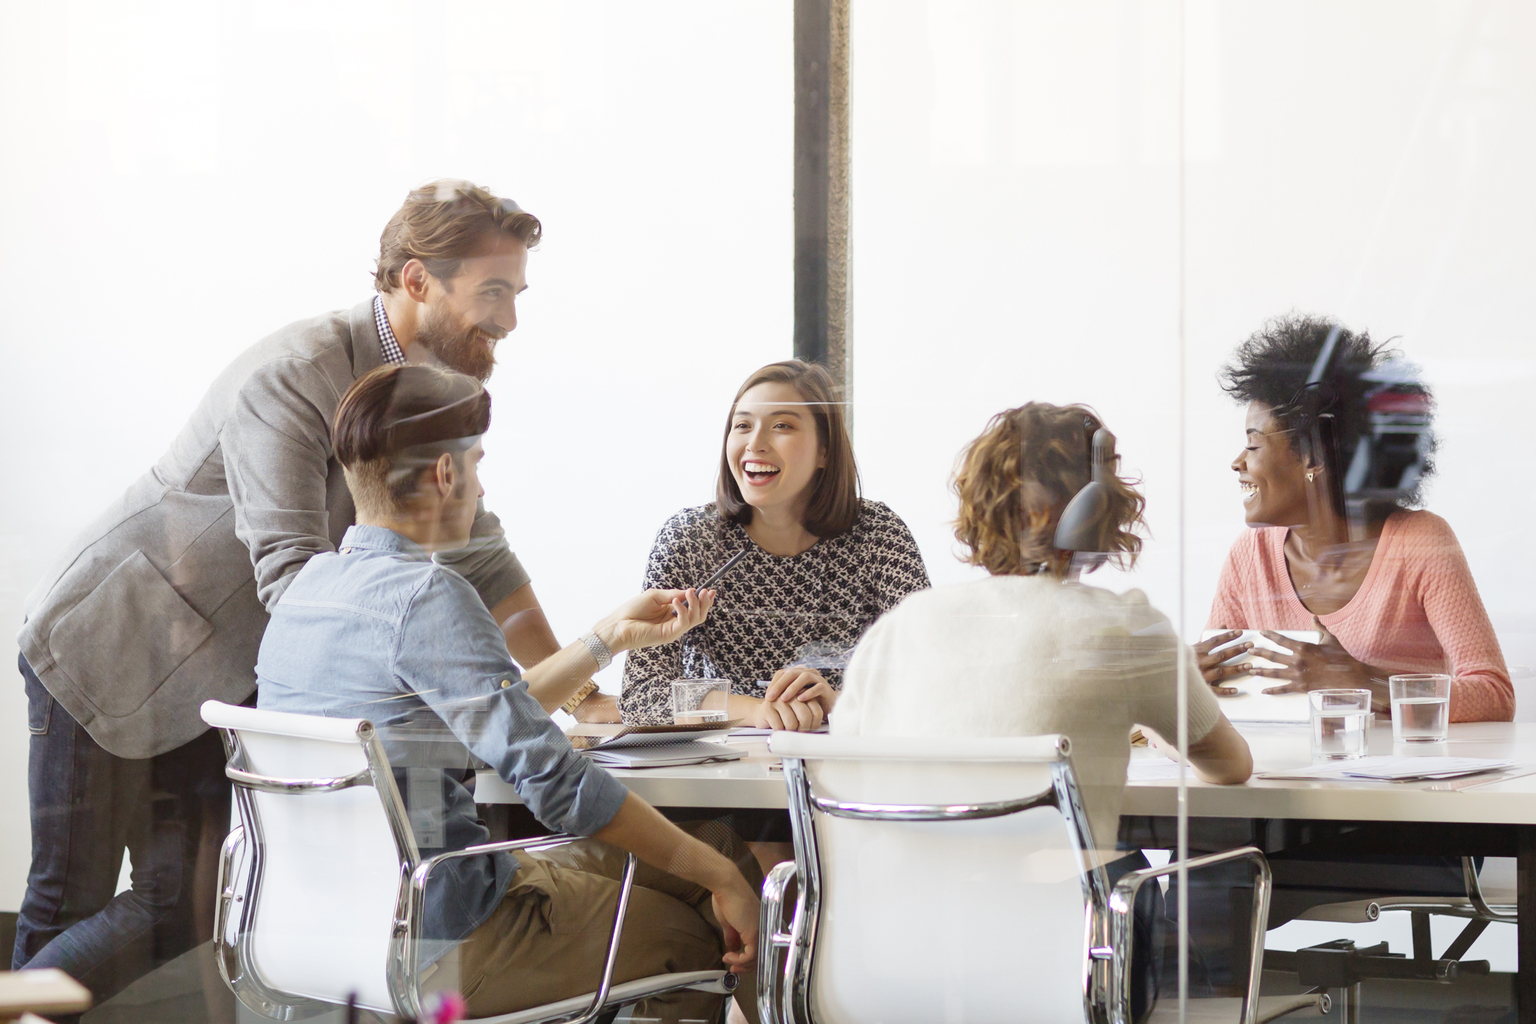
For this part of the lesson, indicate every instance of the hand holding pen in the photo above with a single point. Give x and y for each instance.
(725, 567)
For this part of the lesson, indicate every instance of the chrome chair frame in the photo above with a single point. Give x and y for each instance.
(233, 952)
(1475, 910)
(785, 956)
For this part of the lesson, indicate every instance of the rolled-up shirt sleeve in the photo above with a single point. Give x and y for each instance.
(451, 653)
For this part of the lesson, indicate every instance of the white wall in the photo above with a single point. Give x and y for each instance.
(183, 178)
(1017, 237)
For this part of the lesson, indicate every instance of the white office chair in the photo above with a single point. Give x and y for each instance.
(950, 880)
(321, 887)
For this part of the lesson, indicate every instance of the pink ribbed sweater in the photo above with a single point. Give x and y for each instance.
(1417, 610)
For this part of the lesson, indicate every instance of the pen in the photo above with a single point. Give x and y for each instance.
(725, 568)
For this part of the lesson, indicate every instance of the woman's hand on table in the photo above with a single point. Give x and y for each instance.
(1325, 665)
(1216, 666)
(800, 683)
(788, 715)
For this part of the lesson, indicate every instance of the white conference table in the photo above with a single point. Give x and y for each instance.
(1489, 816)
(754, 782)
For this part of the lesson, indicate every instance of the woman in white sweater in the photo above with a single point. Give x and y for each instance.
(1028, 650)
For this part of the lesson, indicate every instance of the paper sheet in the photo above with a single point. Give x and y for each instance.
(1154, 769)
(1394, 769)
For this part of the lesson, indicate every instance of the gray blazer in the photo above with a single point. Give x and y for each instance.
(155, 608)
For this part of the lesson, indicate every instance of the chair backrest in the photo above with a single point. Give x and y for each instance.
(965, 917)
(323, 863)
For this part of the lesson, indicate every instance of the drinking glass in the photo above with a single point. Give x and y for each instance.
(1341, 724)
(1421, 707)
(696, 701)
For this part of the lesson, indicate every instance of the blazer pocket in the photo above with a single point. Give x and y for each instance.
(127, 637)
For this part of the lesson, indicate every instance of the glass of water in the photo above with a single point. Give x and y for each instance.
(1341, 724)
(700, 701)
(1421, 707)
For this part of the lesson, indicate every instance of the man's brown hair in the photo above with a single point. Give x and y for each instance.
(443, 223)
(834, 504)
(396, 421)
(1016, 478)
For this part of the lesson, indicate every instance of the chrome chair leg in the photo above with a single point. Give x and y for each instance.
(1349, 1003)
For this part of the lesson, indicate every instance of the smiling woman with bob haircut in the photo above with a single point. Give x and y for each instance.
(821, 562)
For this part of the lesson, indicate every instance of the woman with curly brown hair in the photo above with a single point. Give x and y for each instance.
(1027, 650)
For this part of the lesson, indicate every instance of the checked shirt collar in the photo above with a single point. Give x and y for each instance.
(387, 342)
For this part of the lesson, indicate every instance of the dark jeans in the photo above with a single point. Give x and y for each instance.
(169, 812)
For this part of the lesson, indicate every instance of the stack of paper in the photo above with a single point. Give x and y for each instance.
(1396, 769)
(661, 746)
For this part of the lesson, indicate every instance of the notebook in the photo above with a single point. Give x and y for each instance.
(664, 755)
(657, 746)
(593, 736)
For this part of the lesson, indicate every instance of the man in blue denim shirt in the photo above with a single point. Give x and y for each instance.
(379, 630)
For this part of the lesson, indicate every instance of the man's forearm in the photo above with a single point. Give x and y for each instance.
(522, 621)
(641, 829)
(531, 643)
(552, 681)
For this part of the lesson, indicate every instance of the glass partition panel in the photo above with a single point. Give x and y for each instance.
(1099, 203)
(188, 179)
(1018, 250)
(1363, 228)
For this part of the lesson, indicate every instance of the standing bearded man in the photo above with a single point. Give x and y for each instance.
(156, 608)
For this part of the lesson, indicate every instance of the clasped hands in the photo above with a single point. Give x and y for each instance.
(797, 699)
(1304, 666)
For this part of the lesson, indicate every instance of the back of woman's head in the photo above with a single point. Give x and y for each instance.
(834, 503)
(1273, 367)
(1016, 478)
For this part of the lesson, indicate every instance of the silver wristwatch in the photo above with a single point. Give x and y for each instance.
(600, 652)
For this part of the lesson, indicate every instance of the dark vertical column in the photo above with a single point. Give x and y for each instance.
(821, 185)
(1525, 926)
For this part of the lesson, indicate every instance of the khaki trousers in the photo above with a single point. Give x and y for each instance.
(548, 939)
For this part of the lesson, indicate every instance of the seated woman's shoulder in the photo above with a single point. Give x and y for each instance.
(697, 528)
(1130, 610)
(690, 520)
(877, 519)
(1421, 522)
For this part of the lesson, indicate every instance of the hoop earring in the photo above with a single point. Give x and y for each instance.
(1310, 474)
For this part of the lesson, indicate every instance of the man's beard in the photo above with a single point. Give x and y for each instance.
(463, 349)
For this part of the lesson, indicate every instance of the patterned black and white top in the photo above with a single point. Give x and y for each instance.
(772, 611)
